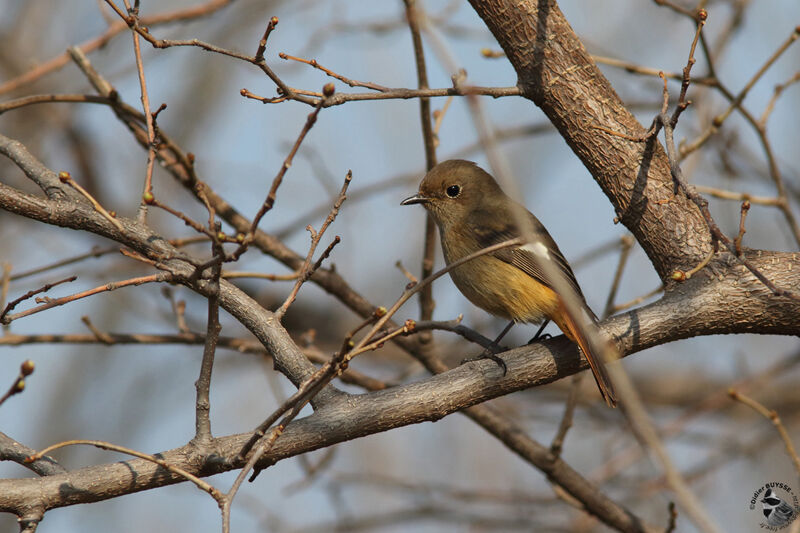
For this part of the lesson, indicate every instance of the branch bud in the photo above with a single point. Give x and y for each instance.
(678, 275)
(27, 367)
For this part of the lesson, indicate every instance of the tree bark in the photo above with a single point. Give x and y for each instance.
(555, 71)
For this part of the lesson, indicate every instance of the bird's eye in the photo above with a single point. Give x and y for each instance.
(453, 191)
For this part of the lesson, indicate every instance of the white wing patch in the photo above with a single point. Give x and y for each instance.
(537, 248)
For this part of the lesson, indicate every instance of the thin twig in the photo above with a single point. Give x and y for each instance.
(133, 20)
(426, 302)
(699, 266)
(49, 98)
(324, 374)
(99, 335)
(411, 277)
(45, 67)
(389, 94)
(158, 277)
(228, 274)
(276, 182)
(25, 369)
(762, 121)
(12, 304)
(186, 220)
(633, 68)
(737, 242)
(636, 301)
(718, 120)
(65, 177)
(5, 281)
(199, 483)
(738, 196)
(332, 74)
(178, 308)
(203, 385)
(773, 417)
(307, 270)
(262, 44)
(625, 250)
(566, 419)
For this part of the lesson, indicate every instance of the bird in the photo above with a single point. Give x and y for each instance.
(516, 283)
(777, 512)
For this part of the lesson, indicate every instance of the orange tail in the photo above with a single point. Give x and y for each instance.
(592, 346)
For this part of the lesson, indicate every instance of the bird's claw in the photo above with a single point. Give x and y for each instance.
(489, 353)
(541, 337)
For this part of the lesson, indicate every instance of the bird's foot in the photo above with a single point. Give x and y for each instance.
(541, 337)
(489, 353)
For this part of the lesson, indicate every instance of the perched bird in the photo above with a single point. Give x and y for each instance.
(516, 283)
(777, 512)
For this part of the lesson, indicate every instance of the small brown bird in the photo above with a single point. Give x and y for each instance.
(515, 283)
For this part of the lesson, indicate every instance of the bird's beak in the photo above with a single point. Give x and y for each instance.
(416, 199)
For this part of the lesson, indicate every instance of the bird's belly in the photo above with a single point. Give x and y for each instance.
(504, 290)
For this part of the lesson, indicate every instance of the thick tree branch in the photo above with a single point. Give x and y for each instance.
(741, 308)
(556, 72)
(735, 302)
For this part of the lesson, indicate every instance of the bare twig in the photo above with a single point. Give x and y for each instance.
(636, 301)
(645, 431)
(45, 67)
(5, 280)
(158, 277)
(737, 242)
(307, 270)
(625, 251)
(66, 178)
(48, 98)
(718, 120)
(25, 369)
(12, 304)
(738, 196)
(389, 94)
(332, 74)
(276, 182)
(99, 335)
(762, 121)
(262, 44)
(566, 419)
(411, 277)
(663, 121)
(199, 483)
(203, 385)
(132, 19)
(426, 302)
(773, 417)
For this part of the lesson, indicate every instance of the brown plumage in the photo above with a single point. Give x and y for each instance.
(472, 212)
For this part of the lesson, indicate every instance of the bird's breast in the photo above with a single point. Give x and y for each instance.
(498, 287)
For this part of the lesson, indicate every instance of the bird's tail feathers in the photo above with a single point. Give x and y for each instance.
(594, 346)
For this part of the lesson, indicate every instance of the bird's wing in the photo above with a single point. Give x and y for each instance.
(522, 257)
(578, 325)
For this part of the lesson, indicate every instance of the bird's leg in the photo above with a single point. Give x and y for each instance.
(489, 353)
(539, 335)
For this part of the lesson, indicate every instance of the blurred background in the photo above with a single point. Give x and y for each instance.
(447, 476)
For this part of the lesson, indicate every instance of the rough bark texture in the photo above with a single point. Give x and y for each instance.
(556, 72)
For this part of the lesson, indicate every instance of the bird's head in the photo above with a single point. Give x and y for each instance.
(453, 189)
